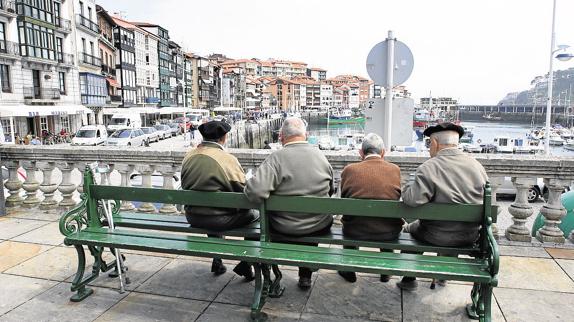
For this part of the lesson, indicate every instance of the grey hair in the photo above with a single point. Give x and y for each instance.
(446, 137)
(372, 144)
(293, 126)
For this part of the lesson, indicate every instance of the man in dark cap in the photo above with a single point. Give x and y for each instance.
(449, 176)
(210, 168)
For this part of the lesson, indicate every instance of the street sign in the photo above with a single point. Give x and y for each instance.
(377, 63)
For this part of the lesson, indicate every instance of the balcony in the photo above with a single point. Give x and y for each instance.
(91, 60)
(9, 49)
(63, 25)
(65, 59)
(87, 24)
(41, 93)
(116, 98)
(8, 8)
(108, 70)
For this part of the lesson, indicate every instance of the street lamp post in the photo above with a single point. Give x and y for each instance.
(561, 57)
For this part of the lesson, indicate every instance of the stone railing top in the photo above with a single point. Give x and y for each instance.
(495, 164)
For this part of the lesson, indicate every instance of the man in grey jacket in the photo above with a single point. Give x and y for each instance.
(449, 176)
(298, 169)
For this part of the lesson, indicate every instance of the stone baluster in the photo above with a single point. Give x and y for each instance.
(167, 172)
(146, 172)
(14, 185)
(495, 183)
(105, 178)
(67, 187)
(81, 166)
(125, 171)
(48, 187)
(520, 210)
(30, 185)
(553, 211)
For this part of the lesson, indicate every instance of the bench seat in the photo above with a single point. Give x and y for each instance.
(440, 267)
(178, 223)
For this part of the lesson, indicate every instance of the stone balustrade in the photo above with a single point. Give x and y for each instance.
(164, 163)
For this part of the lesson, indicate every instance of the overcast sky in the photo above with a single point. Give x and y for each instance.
(473, 50)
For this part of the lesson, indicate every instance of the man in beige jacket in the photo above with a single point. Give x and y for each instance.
(449, 176)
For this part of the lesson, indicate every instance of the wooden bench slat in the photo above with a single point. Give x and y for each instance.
(294, 255)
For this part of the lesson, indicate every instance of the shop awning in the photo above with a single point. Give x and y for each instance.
(174, 110)
(42, 110)
(128, 110)
(112, 82)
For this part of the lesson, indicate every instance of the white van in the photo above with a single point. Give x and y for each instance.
(90, 135)
(122, 121)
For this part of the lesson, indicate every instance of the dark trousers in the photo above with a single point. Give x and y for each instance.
(303, 271)
(349, 233)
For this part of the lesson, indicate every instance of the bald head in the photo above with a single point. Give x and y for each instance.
(293, 129)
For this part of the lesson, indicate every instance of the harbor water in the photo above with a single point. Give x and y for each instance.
(483, 131)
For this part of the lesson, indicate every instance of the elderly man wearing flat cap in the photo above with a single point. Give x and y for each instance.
(449, 176)
(210, 168)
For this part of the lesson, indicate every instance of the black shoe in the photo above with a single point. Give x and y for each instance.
(304, 283)
(217, 267)
(350, 277)
(385, 278)
(408, 283)
(244, 269)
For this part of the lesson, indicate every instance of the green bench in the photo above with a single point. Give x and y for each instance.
(85, 225)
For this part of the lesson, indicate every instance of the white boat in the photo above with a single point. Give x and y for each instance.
(569, 145)
(521, 145)
(503, 144)
(325, 143)
(536, 146)
(566, 134)
(471, 148)
(556, 140)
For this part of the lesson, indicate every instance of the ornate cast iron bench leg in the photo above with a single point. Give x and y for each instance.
(262, 284)
(472, 309)
(79, 285)
(276, 290)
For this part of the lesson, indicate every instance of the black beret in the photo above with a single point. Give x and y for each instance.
(214, 130)
(444, 127)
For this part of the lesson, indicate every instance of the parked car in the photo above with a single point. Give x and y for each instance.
(534, 192)
(156, 182)
(127, 137)
(164, 131)
(90, 135)
(151, 134)
(174, 127)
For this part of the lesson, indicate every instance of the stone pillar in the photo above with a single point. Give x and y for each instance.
(520, 210)
(495, 183)
(66, 187)
(47, 187)
(31, 185)
(81, 166)
(167, 172)
(105, 178)
(125, 171)
(553, 211)
(146, 172)
(14, 185)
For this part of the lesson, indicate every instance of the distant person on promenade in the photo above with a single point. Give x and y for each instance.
(299, 169)
(266, 145)
(449, 176)
(210, 168)
(36, 141)
(372, 178)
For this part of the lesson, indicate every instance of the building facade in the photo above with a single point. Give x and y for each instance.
(124, 39)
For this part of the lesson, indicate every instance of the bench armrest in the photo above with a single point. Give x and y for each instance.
(493, 253)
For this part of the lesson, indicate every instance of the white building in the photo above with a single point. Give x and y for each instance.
(39, 81)
(354, 96)
(326, 96)
(147, 67)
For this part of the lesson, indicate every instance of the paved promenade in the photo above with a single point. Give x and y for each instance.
(536, 284)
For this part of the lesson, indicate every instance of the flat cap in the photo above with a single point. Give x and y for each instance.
(214, 130)
(444, 127)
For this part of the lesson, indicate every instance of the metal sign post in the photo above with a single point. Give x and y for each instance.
(389, 63)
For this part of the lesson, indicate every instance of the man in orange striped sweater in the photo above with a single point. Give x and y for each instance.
(373, 178)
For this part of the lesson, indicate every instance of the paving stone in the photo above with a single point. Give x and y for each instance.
(519, 251)
(16, 290)
(140, 268)
(533, 273)
(568, 266)
(12, 227)
(187, 279)
(147, 307)
(446, 303)
(530, 305)
(37, 214)
(57, 263)
(329, 318)
(13, 253)
(46, 235)
(54, 305)
(331, 295)
(561, 253)
(241, 293)
(217, 312)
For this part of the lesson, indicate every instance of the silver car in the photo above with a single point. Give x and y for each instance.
(164, 131)
(534, 192)
(127, 137)
(151, 134)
